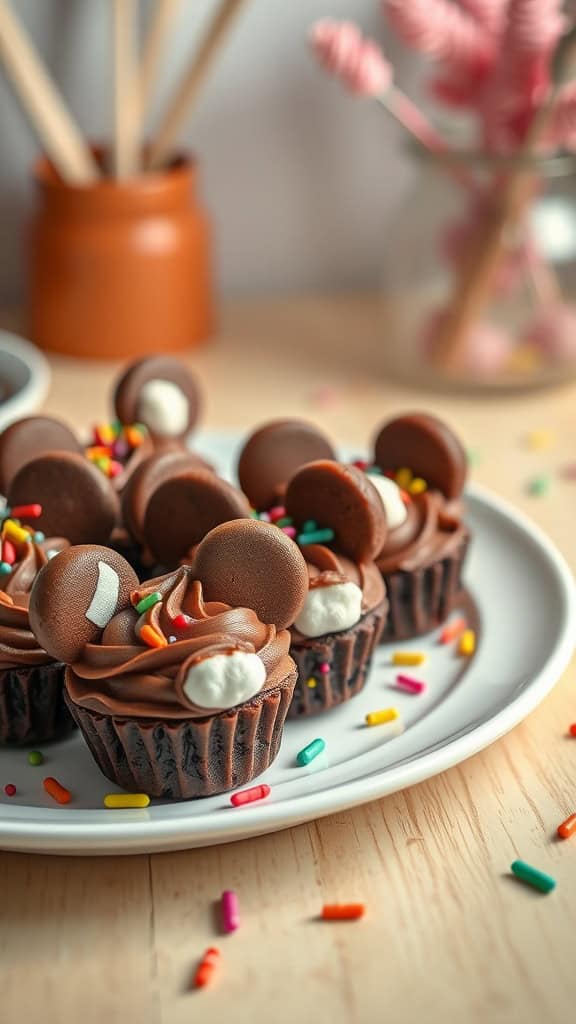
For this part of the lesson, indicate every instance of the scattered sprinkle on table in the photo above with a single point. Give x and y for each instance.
(569, 471)
(248, 796)
(10, 789)
(537, 440)
(380, 717)
(452, 630)
(35, 757)
(474, 457)
(410, 684)
(58, 793)
(467, 644)
(567, 828)
(408, 658)
(572, 729)
(230, 911)
(539, 486)
(311, 751)
(206, 967)
(122, 800)
(343, 911)
(532, 876)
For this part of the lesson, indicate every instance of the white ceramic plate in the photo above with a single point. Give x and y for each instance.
(526, 599)
(25, 374)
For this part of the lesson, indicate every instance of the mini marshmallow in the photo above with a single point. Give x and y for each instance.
(225, 680)
(330, 609)
(163, 408)
(391, 498)
(105, 598)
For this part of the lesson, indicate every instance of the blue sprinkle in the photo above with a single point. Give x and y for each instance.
(39, 537)
(374, 471)
(5, 569)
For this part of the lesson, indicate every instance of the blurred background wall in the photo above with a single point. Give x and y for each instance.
(300, 178)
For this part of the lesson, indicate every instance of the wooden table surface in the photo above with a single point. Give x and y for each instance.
(448, 934)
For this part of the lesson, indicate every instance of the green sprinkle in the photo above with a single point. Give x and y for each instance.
(148, 602)
(532, 876)
(117, 427)
(285, 521)
(539, 486)
(141, 428)
(102, 463)
(5, 569)
(319, 537)
(309, 526)
(474, 457)
(310, 752)
(374, 471)
(254, 514)
(35, 757)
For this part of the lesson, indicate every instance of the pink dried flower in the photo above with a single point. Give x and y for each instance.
(441, 30)
(358, 62)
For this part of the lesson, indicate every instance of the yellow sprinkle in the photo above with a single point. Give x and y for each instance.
(539, 439)
(15, 533)
(311, 683)
(467, 644)
(404, 478)
(126, 800)
(418, 486)
(379, 717)
(408, 658)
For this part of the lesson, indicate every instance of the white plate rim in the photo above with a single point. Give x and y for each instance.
(126, 836)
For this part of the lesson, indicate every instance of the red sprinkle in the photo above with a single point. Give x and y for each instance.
(8, 552)
(10, 789)
(248, 796)
(181, 621)
(567, 828)
(361, 464)
(26, 511)
(572, 729)
(278, 512)
(58, 793)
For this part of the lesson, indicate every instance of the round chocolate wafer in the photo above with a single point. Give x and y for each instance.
(159, 392)
(340, 498)
(272, 455)
(78, 501)
(27, 438)
(426, 446)
(76, 595)
(148, 476)
(250, 564)
(183, 509)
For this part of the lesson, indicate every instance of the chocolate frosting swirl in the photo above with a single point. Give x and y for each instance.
(120, 675)
(18, 645)
(432, 530)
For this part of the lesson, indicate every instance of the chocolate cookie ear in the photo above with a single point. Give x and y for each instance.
(148, 476)
(342, 499)
(28, 438)
(250, 564)
(161, 393)
(183, 509)
(427, 447)
(76, 595)
(78, 501)
(272, 455)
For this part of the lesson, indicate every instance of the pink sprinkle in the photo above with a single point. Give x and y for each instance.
(290, 531)
(324, 667)
(10, 789)
(568, 472)
(230, 911)
(278, 512)
(410, 684)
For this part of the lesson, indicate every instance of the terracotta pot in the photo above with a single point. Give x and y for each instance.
(120, 269)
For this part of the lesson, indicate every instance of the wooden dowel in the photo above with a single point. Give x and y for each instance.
(161, 22)
(43, 103)
(125, 160)
(192, 82)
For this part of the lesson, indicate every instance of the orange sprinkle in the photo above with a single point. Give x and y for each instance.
(206, 967)
(568, 827)
(58, 793)
(152, 638)
(343, 911)
(133, 436)
(97, 451)
(452, 630)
